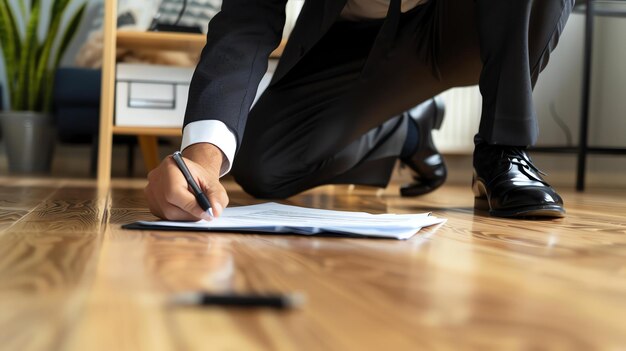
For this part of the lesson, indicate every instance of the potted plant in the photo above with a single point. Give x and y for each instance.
(30, 63)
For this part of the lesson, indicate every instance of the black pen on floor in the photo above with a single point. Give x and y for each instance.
(277, 301)
(203, 201)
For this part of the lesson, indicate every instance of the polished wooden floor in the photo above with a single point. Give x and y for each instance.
(71, 279)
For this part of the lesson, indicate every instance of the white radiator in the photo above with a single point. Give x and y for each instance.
(460, 124)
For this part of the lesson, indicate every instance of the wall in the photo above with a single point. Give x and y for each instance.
(558, 101)
(558, 92)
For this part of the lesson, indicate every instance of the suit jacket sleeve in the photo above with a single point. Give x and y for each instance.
(239, 41)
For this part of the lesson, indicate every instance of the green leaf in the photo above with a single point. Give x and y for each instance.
(36, 100)
(58, 7)
(22, 4)
(41, 65)
(67, 37)
(10, 43)
(16, 33)
(27, 60)
(30, 63)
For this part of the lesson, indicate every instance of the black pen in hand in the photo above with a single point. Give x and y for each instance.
(203, 201)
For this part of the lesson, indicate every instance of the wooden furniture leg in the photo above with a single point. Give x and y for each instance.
(149, 151)
(108, 95)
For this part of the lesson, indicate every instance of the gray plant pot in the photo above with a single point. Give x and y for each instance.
(29, 140)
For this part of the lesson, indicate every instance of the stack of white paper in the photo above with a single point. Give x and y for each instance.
(277, 218)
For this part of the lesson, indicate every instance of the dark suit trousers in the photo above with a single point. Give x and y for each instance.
(336, 117)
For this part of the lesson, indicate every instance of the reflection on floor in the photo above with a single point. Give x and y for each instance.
(71, 279)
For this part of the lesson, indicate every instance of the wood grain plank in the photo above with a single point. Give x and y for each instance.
(60, 216)
(474, 283)
(43, 279)
(9, 216)
(67, 210)
(25, 198)
(42, 261)
(45, 272)
(38, 322)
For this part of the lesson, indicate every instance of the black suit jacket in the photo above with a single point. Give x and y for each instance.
(239, 41)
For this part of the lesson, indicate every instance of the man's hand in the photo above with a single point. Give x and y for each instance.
(167, 191)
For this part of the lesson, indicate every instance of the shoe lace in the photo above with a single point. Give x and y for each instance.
(518, 156)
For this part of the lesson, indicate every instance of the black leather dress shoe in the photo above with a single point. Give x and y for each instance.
(507, 184)
(426, 162)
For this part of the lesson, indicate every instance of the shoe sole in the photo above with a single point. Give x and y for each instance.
(545, 211)
(419, 188)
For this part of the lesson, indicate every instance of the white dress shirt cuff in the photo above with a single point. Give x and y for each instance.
(214, 132)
